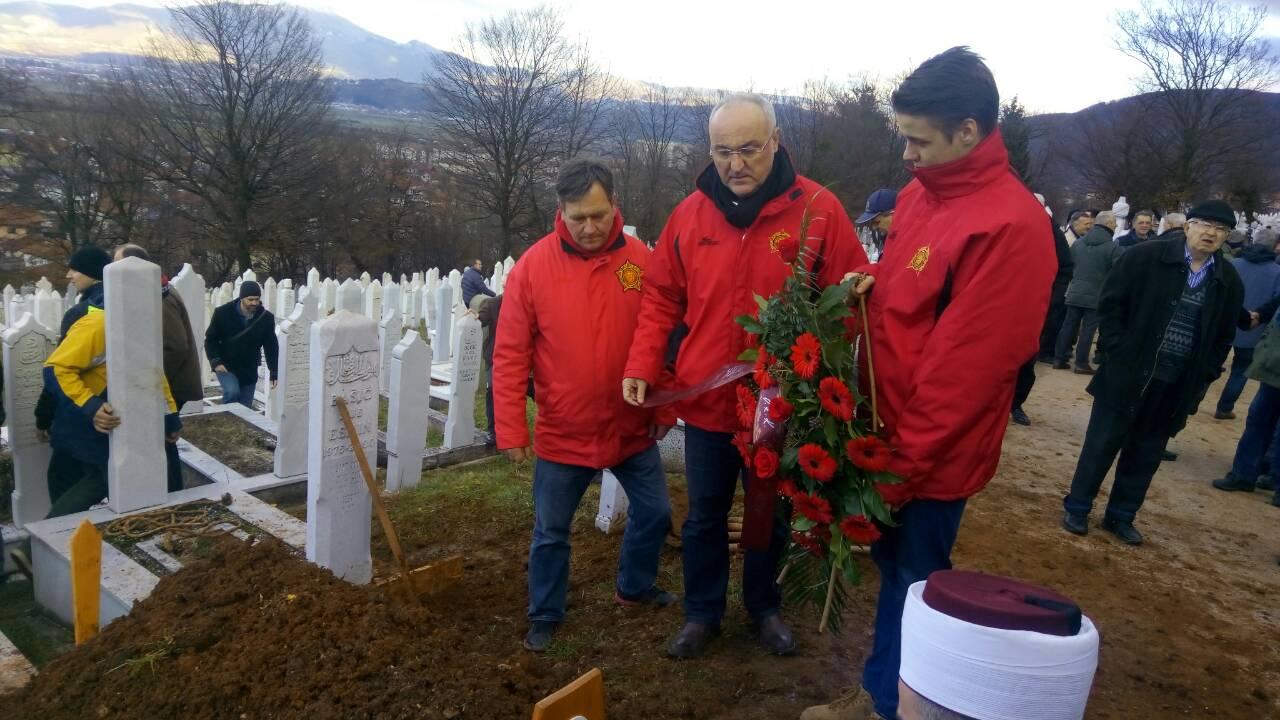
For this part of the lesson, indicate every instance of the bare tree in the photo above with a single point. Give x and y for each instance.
(650, 157)
(232, 99)
(1019, 135)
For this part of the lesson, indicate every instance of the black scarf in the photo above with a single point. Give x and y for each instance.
(742, 212)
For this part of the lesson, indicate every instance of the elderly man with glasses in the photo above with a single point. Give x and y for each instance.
(720, 248)
(1166, 318)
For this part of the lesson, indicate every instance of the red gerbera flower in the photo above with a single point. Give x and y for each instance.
(869, 453)
(746, 407)
(836, 398)
(766, 463)
(816, 463)
(788, 488)
(859, 529)
(762, 377)
(813, 507)
(810, 543)
(742, 441)
(780, 409)
(805, 355)
(789, 249)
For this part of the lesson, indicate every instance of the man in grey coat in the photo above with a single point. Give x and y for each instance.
(1094, 255)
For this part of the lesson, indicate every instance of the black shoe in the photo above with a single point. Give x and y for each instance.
(1082, 370)
(1224, 415)
(1168, 456)
(655, 596)
(1020, 416)
(774, 635)
(539, 636)
(1266, 482)
(1127, 533)
(1046, 359)
(1060, 366)
(1231, 483)
(1075, 523)
(692, 640)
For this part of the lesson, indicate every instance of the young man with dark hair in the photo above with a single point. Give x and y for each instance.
(1143, 224)
(958, 303)
(568, 314)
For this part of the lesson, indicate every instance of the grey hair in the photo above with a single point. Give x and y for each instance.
(1175, 220)
(756, 99)
(1265, 237)
(1107, 218)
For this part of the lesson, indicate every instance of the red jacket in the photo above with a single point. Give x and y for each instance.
(960, 296)
(568, 317)
(705, 273)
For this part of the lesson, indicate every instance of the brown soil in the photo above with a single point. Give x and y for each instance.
(1189, 620)
(232, 441)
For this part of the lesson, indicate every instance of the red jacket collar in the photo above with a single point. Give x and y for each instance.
(567, 242)
(987, 162)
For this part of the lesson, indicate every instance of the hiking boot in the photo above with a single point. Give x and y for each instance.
(1060, 366)
(1266, 482)
(774, 635)
(853, 705)
(1168, 456)
(1019, 416)
(692, 640)
(655, 596)
(1231, 483)
(1075, 523)
(538, 639)
(1224, 415)
(1082, 370)
(1125, 531)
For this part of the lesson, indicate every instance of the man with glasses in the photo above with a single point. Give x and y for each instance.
(721, 247)
(1166, 318)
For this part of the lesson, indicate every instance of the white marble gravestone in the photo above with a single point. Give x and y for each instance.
(136, 469)
(460, 428)
(441, 350)
(47, 308)
(294, 386)
(350, 297)
(269, 295)
(344, 362)
(249, 275)
(389, 333)
(408, 410)
(26, 345)
(373, 301)
(190, 288)
(313, 278)
(612, 514)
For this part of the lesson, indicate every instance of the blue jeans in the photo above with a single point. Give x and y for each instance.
(235, 389)
(713, 467)
(906, 554)
(557, 491)
(1240, 360)
(1259, 429)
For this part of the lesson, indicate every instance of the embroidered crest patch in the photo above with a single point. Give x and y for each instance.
(775, 240)
(919, 260)
(630, 275)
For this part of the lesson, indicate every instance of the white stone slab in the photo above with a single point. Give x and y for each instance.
(408, 411)
(26, 345)
(190, 287)
(373, 301)
(612, 515)
(294, 338)
(460, 429)
(440, 347)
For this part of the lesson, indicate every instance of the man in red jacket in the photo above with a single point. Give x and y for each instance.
(718, 250)
(960, 295)
(568, 315)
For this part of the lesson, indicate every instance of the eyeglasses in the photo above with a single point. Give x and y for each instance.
(746, 152)
(1216, 227)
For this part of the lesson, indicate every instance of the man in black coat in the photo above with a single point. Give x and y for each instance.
(1052, 321)
(238, 334)
(473, 284)
(1166, 318)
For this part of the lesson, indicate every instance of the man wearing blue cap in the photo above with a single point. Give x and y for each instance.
(879, 214)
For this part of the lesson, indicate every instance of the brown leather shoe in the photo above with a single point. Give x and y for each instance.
(853, 705)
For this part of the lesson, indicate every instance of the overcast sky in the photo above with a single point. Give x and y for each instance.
(1056, 55)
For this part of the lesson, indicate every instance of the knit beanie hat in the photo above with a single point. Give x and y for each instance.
(249, 288)
(89, 261)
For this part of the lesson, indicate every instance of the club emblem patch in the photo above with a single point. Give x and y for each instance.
(775, 240)
(919, 260)
(630, 275)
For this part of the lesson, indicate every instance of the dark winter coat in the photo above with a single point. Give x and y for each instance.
(1130, 239)
(472, 285)
(239, 345)
(488, 315)
(1094, 255)
(1136, 307)
(1261, 277)
(1066, 265)
(181, 355)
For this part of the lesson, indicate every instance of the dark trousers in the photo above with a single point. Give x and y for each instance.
(1026, 381)
(1259, 430)
(174, 466)
(1240, 360)
(1140, 442)
(906, 554)
(1086, 319)
(1052, 326)
(74, 485)
(713, 468)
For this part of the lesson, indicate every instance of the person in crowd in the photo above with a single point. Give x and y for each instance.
(988, 647)
(1052, 319)
(238, 335)
(1094, 257)
(473, 284)
(719, 249)
(1236, 243)
(1078, 224)
(569, 311)
(1143, 222)
(489, 314)
(181, 354)
(1174, 227)
(1260, 274)
(1166, 317)
(951, 325)
(878, 215)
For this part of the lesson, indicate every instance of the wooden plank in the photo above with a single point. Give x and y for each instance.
(86, 577)
(582, 698)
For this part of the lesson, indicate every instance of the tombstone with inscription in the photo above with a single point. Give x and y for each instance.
(460, 428)
(294, 385)
(408, 410)
(344, 363)
(26, 345)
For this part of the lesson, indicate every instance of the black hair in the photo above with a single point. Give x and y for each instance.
(578, 175)
(950, 88)
(1149, 213)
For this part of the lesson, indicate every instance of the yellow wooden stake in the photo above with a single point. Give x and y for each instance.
(86, 575)
(582, 698)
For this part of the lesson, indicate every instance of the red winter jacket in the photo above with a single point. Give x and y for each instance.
(960, 296)
(705, 273)
(568, 317)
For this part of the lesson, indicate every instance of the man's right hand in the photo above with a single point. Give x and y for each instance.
(633, 391)
(862, 284)
(220, 368)
(104, 421)
(519, 455)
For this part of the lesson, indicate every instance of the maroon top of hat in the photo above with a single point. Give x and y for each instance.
(1000, 602)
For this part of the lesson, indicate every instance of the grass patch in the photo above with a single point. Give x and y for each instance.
(35, 633)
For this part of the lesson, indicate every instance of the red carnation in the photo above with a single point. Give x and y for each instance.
(766, 463)
(788, 488)
(816, 463)
(746, 407)
(780, 409)
(805, 355)
(810, 543)
(763, 361)
(742, 441)
(789, 249)
(869, 453)
(836, 398)
(859, 529)
(813, 507)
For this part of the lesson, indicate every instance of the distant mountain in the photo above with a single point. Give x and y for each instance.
(99, 35)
